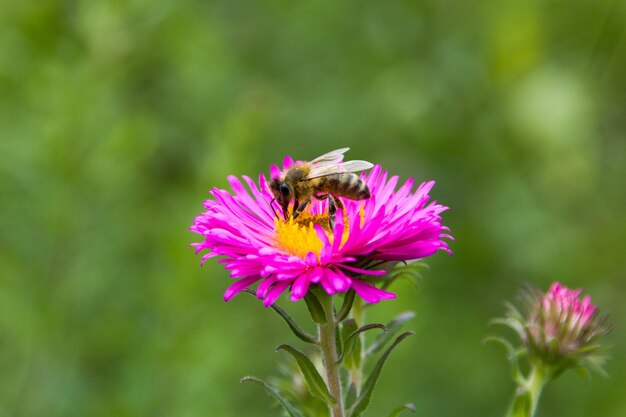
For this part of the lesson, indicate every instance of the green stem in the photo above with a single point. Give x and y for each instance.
(527, 394)
(328, 346)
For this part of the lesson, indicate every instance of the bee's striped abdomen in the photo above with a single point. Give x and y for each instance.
(347, 185)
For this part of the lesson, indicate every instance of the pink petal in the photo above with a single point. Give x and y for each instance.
(275, 292)
(370, 293)
(239, 286)
(300, 286)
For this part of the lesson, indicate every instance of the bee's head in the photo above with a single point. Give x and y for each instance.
(283, 193)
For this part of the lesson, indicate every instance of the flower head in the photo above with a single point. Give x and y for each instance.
(256, 246)
(560, 329)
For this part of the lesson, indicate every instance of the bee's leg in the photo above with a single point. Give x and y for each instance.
(273, 209)
(339, 203)
(332, 210)
(300, 208)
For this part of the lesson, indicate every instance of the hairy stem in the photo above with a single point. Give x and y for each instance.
(527, 394)
(328, 346)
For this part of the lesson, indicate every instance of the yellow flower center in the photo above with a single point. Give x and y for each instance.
(298, 237)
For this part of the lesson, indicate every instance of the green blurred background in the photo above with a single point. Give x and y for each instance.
(117, 117)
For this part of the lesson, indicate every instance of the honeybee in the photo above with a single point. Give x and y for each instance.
(325, 177)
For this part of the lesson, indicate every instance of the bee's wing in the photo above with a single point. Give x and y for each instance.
(338, 168)
(332, 157)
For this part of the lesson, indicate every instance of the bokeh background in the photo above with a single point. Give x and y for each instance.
(117, 117)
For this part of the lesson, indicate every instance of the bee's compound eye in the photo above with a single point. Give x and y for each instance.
(284, 190)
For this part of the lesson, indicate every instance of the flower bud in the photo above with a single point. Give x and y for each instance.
(560, 330)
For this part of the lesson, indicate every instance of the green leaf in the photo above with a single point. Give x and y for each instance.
(396, 411)
(413, 266)
(513, 356)
(412, 277)
(408, 271)
(350, 395)
(349, 342)
(510, 350)
(313, 379)
(296, 330)
(366, 394)
(348, 300)
(315, 308)
(513, 312)
(291, 410)
(300, 334)
(582, 371)
(596, 363)
(351, 360)
(393, 327)
(338, 341)
(513, 323)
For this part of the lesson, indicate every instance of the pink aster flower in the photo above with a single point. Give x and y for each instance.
(394, 224)
(561, 319)
(564, 314)
(560, 329)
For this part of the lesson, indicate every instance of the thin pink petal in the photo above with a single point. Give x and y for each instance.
(239, 286)
(370, 293)
(275, 292)
(300, 286)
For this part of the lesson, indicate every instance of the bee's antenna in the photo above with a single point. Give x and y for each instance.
(273, 209)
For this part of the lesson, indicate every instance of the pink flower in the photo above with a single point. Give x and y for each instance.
(561, 316)
(392, 225)
(559, 331)
(563, 307)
